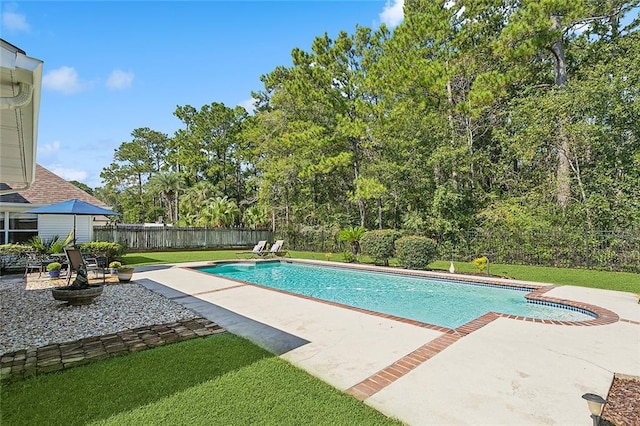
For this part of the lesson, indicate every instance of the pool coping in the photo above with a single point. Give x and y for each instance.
(601, 315)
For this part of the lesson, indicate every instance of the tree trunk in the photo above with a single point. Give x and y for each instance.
(176, 209)
(559, 59)
(169, 202)
(563, 186)
(362, 211)
(273, 220)
(356, 173)
(454, 173)
(470, 137)
(355, 247)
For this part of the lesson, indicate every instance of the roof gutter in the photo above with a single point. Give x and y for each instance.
(24, 187)
(21, 84)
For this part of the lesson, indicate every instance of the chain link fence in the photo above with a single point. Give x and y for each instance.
(600, 249)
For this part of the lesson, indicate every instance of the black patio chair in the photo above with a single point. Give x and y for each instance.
(34, 262)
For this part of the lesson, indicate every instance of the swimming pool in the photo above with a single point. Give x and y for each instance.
(433, 301)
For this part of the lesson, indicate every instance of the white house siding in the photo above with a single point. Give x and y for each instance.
(50, 225)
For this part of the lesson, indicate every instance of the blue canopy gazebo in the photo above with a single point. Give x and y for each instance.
(74, 207)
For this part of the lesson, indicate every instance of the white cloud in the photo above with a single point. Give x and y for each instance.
(49, 148)
(120, 80)
(68, 174)
(393, 13)
(15, 22)
(249, 105)
(64, 80)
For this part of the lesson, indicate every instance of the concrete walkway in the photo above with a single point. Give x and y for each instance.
(496, 370)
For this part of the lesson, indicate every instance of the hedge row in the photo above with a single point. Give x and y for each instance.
(413, 252)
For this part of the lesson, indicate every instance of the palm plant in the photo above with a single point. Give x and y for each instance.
(195, 198)
(51, 245)
(220, 212)
(168, 185)
(352, 235)
(255, 216)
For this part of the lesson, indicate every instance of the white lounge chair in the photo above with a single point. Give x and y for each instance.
(276, 248)
(258, 249)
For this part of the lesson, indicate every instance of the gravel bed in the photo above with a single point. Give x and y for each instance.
(32, 318)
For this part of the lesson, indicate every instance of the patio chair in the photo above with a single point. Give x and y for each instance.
(76, 261)
(92, 264)
(276, 249)
(35, 262)
(258, 249)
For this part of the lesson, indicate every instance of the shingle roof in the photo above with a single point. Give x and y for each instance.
(48, 188)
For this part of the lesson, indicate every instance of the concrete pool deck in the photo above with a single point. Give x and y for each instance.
(496, 370)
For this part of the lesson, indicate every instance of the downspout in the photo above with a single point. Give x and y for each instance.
(21, 99)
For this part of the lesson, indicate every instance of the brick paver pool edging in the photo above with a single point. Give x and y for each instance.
(381, 379)
(60, 356)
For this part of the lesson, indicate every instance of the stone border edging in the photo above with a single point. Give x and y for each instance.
(31, 362)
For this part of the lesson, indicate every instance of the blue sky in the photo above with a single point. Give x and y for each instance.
(111, 67)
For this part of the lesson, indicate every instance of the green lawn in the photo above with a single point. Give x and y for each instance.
(621, 281)
(222, 380)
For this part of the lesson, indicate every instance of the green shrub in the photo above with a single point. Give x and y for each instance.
(104, 248)
(379, 244)
(54, 266)
(14, 249)
(115, 264)
(348, 256)
(481, 263)
(125, 268)
(12, 256)
(415, 252)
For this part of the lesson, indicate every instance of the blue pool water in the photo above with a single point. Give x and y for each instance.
(434, 301)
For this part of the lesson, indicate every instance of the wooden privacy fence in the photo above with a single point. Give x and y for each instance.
(169, 237)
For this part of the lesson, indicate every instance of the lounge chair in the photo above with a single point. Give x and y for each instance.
(276, 249)
(76, 261)
(258, 249)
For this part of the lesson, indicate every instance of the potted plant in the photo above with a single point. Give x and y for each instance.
(113, 266)
(125, 273)
(53, 269)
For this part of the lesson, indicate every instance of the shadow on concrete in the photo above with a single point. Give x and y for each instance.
(272, 339)
(147, 268)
